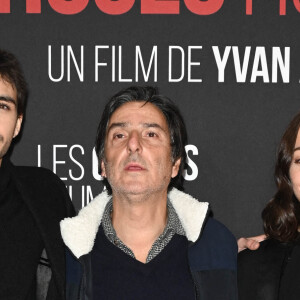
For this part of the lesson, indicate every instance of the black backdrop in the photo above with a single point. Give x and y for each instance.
(234, 123)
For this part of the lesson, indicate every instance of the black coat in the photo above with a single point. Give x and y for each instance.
(270, 273)
(48, 200)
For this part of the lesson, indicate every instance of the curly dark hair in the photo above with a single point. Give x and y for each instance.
(11, 72)
(281, 215)
(177, 129)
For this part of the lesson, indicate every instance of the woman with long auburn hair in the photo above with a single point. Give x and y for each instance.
(273, 271)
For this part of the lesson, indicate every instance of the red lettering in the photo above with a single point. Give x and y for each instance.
(207, 7)
(282, 7)
(248, 7)
(33, 6)
(297, 4)
(114, 7)
(5, 6)
(160, 7)
(70, 7)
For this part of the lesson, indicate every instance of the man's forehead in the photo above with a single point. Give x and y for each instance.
(7, 81)
(8, 89)
(140, 112)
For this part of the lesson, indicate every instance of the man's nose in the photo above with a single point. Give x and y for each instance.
(134, 142)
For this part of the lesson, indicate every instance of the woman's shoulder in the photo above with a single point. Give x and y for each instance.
(268, 248)
(261, 271)
(269, 251)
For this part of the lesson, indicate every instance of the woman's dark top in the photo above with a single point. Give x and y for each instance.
(270, 273)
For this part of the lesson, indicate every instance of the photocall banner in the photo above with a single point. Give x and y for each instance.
(232, 67)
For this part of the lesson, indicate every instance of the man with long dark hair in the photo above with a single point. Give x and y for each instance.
(32, 202)
(144, 238)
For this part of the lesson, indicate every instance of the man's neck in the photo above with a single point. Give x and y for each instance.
(139, 221)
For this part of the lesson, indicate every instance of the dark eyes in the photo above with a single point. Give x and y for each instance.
(4, 106)
(297, 161)
(151, 134)
(148, 134)
(118, 136)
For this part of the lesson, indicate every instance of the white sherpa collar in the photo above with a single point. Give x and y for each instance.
(79, 232)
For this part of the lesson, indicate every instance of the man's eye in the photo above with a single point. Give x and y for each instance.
(151, 134)
(118, 136)
(4, 106)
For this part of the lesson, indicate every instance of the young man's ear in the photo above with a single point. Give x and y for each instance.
(175, 167)
(18, 125)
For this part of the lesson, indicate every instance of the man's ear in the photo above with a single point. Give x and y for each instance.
(18, 125)
(103, 171)
(175, 167)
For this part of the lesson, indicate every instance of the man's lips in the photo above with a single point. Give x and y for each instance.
(134, 167)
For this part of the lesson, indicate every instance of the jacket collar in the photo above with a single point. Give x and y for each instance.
(79, 232)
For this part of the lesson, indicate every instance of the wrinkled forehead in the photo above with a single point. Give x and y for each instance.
(138, 112)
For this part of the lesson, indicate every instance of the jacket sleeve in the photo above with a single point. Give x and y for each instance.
(57, 205)
(213, 262)
(69, 208)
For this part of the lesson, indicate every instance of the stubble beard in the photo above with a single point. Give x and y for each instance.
(134, 192)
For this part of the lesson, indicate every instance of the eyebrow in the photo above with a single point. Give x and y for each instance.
(126, 124)
(119, 124)
(8, 99)
(298, 148)
(155, 125)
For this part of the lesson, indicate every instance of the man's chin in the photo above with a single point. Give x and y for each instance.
(133, 190)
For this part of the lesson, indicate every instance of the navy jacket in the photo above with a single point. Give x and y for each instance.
(212, 251)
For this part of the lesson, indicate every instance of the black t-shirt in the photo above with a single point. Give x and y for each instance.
(20, 243)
